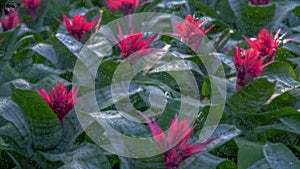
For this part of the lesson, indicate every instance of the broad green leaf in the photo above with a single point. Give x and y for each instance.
(7, 73)
(43, 123)
(72, 130)
(249, 152)
(202, 161)
(283, 74)
(293, 122)
(279, 156)
(39, 71)
(251, 97)
(12, 113)
(284, 7)
(225, 11)
(10, 42)
(273, 129)
(225, 59)
(72, 44)
(51, 81)
(223, 133)
(285, 99)
(84, 156)
(293, 47)
(98, 44)
(260, 164)
(269, 116)
(5, 89)
(255, 18)
(67, 55)
(15, 140)
(46, 51)
(155, 162)
(178, 65)
(116, 120)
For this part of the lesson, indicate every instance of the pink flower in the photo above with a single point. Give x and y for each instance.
(31, 6)
(126, 6)
(266, 45)
(249, 65)
(78, 26)
(133, 44)
(259, 2)
(60, 101)
(10, 21)
(174, 147)
(192, 31)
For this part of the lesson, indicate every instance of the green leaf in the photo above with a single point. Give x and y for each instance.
(43, 123)
(178, 65)
(249, 152)
(284, 7)
(283, 100)
(7, 74)
(15, 140)
(225, 59)
(251, 97)
(39, 71)
(260, 164)
(85, 156)
(47, 51)
(283, 74)
(5, 89)
(255, 18)
(50, 81)
(203, 161)
(72, 131)
(279, 156)
(10, 42)
(273, 129)
(293, 47)
(72, 44)
(223, 133)
(269, 116)
(11, 112)
(156, 162)
(293, 122)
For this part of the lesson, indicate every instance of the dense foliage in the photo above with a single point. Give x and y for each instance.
(43, 40)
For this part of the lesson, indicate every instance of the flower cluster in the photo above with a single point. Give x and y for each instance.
(10, 21)
(259, 2)
(192, 31)
(31, 6)
(174, 146)
(250, 63)
(133, 44)
(60, 101)
(126, 6)
(78, 26)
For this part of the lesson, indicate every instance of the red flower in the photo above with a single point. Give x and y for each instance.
(192, 31)
(78, 27)
(31, 6)
(60, 101)
(248, 66)
(174, 146)
(265, 44)
(259, 2)
(133, 44)
(126, 6)
(10, 21)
